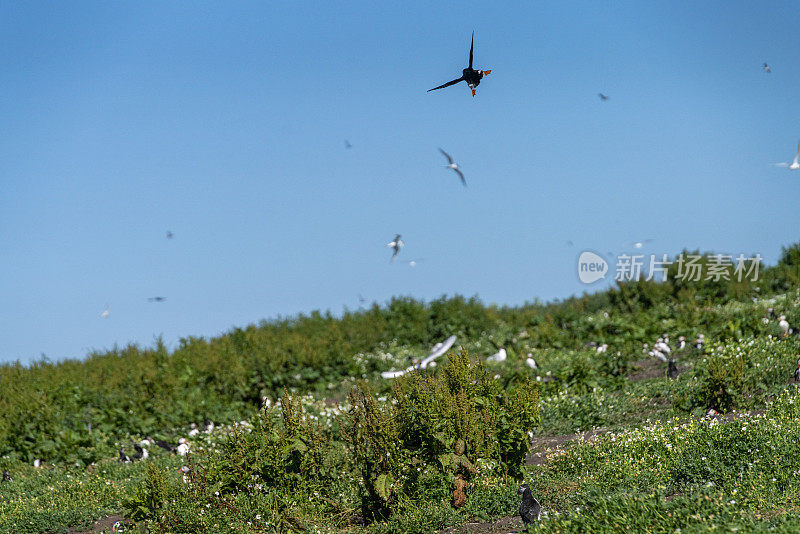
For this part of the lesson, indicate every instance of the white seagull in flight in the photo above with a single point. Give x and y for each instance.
(436, 351)
(793, 166)
(106, 312)
(638, 244)
(452, 165)
(396, 244)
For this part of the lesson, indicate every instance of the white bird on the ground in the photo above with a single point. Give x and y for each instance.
(453, 165)
(530, 362)
(37, 463)
(784, 324)
(499, 357)
(183, 447)
(602, 348)
(395, 244)
(794, 165)
(106, 312)
(658, 354)
(662, 346)
(681, 343)
(436, 351)
(645, 348)
(700, 342)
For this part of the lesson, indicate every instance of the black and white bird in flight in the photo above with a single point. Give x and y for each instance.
(156, 299)
(396, 245)
(469, 75)
(766, 68)
(453, 165)
(602, 97)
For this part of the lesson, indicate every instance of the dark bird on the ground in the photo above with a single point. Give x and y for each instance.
(123, 458)
(7, 476)
(797, 372)
(530, 510)
(396, 245)
(602, 97)
(672, 371)
(140, 452)
(164, 445)
(452, 165)
(469, 75)
(156, 299)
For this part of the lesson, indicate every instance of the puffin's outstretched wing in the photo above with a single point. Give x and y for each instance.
(448, 84)
(470, 49)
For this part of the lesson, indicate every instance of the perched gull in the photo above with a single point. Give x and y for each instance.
(499, 357)
(453, 165)
(436, 351)
(530, 510)
(766, 68)
(471, 76)
(602, 97)
(396, 244)
(794, 165)
(106, 312)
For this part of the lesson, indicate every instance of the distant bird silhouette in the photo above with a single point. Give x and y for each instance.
(530, 510)
(105, 313)
(602, 97)
(794, 165)
(638, 244)
(471, 76)
(396, 244)
(452, 165)
(156, 299)
(169, 234)
(766, 68)
(347, 144)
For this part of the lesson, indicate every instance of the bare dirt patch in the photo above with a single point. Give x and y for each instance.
(106, 524)
(505, 525)
(541, 446)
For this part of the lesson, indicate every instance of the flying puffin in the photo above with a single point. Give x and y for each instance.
(469, 75)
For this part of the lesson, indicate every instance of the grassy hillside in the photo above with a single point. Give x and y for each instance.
(322, 443)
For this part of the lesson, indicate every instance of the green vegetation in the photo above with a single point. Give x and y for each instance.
(309, 437)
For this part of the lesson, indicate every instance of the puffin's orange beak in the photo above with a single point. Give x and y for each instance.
(473, 92)
(487, 72)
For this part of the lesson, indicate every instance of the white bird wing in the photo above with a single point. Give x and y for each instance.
(796, 156)
(449, 159)
(395, 374)
(438, 350)
(659, 355)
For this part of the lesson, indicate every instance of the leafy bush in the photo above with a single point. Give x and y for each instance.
(437, 431)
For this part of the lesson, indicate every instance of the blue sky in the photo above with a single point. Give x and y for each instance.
(225, 123)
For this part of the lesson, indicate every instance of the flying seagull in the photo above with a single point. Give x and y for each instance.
(529, 509)
(396, 244)
(453, 165)
(156, 299)
(793, 166)
(766, 68)
(347, 144)
(169, 234)
(469, 75)
(602, 97)
(436, 351)
(638, 244)
(106, 312)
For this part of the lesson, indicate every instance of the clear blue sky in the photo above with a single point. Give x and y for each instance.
(225, 123)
